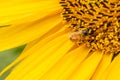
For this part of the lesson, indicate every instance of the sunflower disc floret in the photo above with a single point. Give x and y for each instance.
(96, 23)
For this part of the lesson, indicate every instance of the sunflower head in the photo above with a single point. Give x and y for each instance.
(95, 23)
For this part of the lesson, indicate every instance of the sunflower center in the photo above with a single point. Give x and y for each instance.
(95, 23)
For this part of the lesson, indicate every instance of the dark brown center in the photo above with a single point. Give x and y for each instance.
(95, 23)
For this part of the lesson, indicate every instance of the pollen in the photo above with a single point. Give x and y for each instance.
(95, 23)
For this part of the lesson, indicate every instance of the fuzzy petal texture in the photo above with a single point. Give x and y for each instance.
(66, 65)
(86, 69)
(112, 72)
(105, 62)
(27, 12)
(44, 64)
(30, 31)
(29, 49)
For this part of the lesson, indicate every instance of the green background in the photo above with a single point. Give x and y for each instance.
(6, 57)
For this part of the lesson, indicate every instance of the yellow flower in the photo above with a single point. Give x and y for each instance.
(65, 39)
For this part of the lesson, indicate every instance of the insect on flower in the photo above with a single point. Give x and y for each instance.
(77, 35)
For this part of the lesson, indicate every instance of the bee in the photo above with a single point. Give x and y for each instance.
(78, 35)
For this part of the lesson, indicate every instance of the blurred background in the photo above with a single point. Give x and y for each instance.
(6, 57)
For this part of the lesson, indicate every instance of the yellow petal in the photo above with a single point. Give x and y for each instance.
(65, 66)
(106, 60)
(46, 59)
(21, 34)
(86, 69)
(18, 1)
(27, 12)
(46, 38)
(113, 71)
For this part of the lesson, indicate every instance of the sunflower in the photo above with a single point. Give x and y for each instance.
(65, 39)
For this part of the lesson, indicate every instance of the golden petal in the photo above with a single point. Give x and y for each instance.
(18, 35)
(47, 58)
(113, 70)
(27, 12)
(46, 38)
(86, 69)
(66, 65)
(105, 62)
